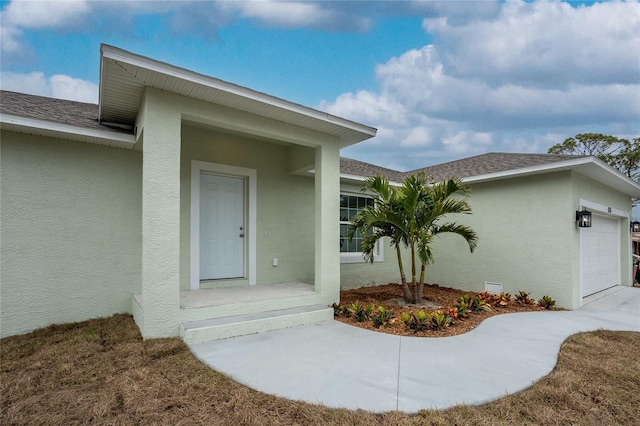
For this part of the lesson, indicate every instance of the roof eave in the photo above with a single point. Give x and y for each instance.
(35, 126)
(358, 132)
(589, 166)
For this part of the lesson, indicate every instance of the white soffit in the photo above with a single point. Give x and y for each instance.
(591, 167)
(124, 76)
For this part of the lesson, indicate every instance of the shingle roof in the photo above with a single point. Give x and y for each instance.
(360, 168)
(492, 162)
(53, 110)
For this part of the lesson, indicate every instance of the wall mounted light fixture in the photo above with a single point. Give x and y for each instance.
(583, 218)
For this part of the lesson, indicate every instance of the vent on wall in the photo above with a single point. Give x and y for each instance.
(493, 288)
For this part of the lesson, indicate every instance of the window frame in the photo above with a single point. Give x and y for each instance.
(357, 256)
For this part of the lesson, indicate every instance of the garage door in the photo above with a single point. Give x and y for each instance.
(600, 255)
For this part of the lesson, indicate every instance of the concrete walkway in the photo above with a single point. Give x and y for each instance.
(338, 365)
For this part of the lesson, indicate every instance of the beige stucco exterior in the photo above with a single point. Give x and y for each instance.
(528, 239)
(70, 231)
(91, 231)
(73, 233)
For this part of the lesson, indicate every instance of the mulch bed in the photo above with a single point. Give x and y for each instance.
(390, 294)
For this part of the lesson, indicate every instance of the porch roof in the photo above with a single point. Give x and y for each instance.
(124, 75)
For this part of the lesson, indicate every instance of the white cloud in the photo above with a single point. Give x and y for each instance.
(467, 143)
(9, 38)
(57, 86)
(283, 14)
(20, 15)
(545, 43)
(198, 18)
(367, 106)
(417, 137)
(33, 83)
(521, 78)
(65, 87)
(44, 14)
(330, 16)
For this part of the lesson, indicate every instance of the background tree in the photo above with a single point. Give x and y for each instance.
(621, 154)
(411, 216)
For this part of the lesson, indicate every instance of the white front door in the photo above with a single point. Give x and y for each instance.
(222, 227)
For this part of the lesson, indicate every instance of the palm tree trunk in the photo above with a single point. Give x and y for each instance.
(412, 298)
(403, 277)
(420, 289)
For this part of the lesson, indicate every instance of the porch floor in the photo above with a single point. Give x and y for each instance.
(242, 294)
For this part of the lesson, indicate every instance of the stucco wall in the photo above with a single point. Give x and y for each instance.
(70, 231)
(364, 274)
(525, 228)
(528, 240)
(285, 203)
(590, 190)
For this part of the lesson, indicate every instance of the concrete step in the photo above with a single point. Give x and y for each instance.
(239, 325)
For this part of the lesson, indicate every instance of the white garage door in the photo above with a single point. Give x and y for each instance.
(600, 255)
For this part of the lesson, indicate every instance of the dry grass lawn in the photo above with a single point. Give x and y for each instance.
(101, 372)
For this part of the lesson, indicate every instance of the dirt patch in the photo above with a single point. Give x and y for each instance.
(390, 297)
(425, 305)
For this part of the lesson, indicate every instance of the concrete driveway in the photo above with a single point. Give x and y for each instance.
(338, 365)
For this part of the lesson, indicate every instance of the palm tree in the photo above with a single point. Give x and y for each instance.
(410, 215)
(384, 218)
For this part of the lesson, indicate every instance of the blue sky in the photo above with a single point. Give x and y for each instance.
(440, 80)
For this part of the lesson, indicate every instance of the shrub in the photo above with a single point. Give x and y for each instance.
(523, 298)
(382, 317)
(440, 321)
(546, 302)
(485, 295)
(359, 311)
(453, 313)
(478, 305)
(463, 305)
(502, 299)
(416, 321)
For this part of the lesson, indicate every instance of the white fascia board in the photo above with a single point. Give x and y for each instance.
(610, 211)
(622, 183)
(65, 131)
(116, 54)
(101, 83)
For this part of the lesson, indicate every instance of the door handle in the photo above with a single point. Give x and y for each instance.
(241, 235)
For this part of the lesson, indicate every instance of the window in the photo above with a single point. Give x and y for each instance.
(351, 251)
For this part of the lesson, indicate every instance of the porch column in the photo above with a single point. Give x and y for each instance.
(160, 215)
(327, 231)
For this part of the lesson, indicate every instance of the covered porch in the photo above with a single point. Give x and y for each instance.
(283, 157)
